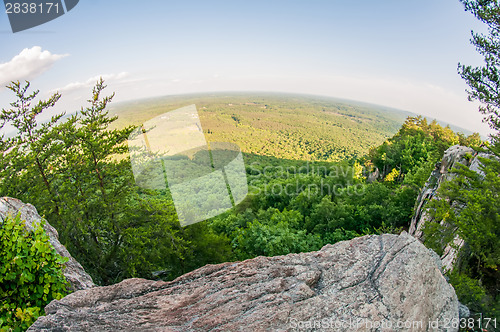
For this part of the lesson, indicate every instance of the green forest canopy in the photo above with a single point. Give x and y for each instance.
(285, 126)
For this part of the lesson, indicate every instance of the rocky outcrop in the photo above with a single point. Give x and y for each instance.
(452, 157)
(74, 272)
(355, 285)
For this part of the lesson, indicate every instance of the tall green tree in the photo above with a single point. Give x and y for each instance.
(95, 187)
(77, 173)
(29, 155)
(469, 204)
(484, 81)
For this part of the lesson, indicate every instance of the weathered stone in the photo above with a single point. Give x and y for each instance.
(354, 284)
(452, 157)
(373, 176)
(74, 272)
(463, 311)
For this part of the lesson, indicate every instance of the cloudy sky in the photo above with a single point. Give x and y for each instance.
(397, 53)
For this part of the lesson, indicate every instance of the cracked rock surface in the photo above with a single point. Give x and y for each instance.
(350, 286)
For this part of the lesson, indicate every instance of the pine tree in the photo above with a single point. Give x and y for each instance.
(469, 204)
(484, 81)
(27, 156)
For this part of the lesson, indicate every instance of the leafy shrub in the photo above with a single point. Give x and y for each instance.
(273, 233)
(260, 239)
(30, 274)
(338, 235)
(392, 176)
(469, 291)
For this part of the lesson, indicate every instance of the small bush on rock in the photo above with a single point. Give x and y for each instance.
(30, 274)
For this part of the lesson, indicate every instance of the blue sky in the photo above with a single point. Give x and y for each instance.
(397, 53)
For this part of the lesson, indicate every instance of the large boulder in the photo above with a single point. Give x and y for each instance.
(75, 274)
(355, 285)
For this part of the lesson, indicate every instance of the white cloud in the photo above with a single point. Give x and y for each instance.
(90, 82)
(28, 64)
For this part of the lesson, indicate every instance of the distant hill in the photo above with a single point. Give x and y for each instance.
(281, 125)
